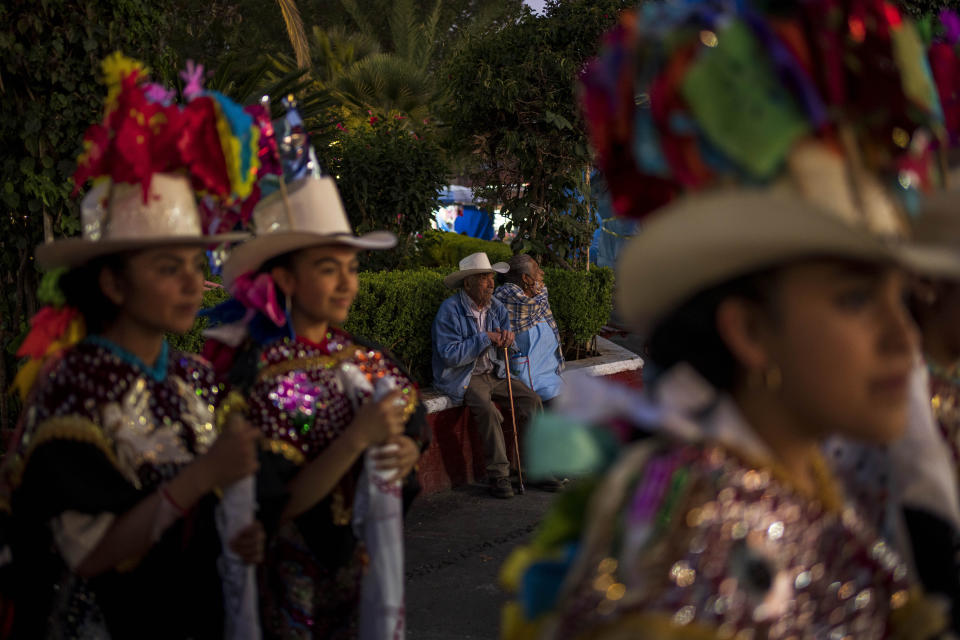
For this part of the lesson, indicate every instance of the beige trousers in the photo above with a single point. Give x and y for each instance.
(483, 391)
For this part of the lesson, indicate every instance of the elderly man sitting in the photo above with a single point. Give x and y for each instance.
(470, 332)
(540, 357)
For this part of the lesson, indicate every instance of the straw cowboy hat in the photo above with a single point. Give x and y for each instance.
(472, 265)
(310, 215)
(116, 217)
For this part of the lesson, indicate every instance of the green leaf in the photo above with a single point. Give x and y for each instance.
(11, 199)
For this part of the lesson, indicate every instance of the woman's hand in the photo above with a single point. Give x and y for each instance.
(234, 454)
(377, 421)
(401, 457)
(248, 544)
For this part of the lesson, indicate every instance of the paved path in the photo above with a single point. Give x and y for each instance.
(455, 543)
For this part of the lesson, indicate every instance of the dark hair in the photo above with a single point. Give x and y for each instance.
(515, 275)
(81, 290)
(923, 310)
(284, 260)
(690, 335)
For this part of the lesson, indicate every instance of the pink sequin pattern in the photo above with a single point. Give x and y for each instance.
(297, 398)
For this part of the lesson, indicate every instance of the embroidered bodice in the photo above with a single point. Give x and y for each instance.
(148, 421)
(299, 399)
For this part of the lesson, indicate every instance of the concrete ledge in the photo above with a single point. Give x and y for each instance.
(613, 359)
(435, 402)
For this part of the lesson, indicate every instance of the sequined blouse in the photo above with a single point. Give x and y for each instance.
(101, 433)
(700, 539)
(147, 421)
(298, 399)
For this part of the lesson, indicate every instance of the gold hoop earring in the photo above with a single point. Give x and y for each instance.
(773, 378)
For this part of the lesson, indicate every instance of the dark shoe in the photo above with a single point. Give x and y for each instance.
(552, 484)
(501, 488)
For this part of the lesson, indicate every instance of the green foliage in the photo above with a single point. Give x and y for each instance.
(387, 83)
(397, 308)
(275, 76)
(192, 341)
(378, 18)
(927, 7)
(217, 32)
(581, 301)
(383, 55)
(446, 249)
(51, 52)
(389, 178)
(516, 116)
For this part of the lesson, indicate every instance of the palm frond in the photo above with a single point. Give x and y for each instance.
(428, 36)
(295, 31)
(275, 77)
(403, 27)
(358, 17)
(386, 82)
(336, 48)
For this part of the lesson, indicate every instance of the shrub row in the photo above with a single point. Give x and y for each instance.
(447, 249)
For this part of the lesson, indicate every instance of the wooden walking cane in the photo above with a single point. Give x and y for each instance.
(513, 414)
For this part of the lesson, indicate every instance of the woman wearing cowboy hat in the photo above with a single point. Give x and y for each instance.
(294, 283)
(773, 300)
(116, 469)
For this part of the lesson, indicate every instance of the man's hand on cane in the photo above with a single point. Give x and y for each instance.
(501, 339)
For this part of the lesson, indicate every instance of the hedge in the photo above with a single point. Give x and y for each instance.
(193, 340)
(581, 301)
(447, 249)
(396, 309)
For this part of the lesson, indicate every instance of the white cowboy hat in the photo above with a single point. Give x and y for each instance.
(115, 217)
(315, 216)
(471, 265)
(703, 240)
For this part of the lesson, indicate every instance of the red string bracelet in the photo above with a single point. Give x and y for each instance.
(173, 503)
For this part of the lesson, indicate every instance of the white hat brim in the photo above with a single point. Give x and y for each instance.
(251, 255)
(454, 279)
(73, 252)
(705, 240)
(935, 249)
